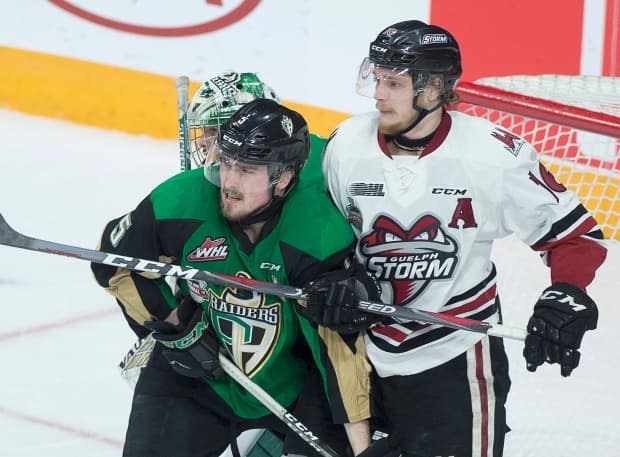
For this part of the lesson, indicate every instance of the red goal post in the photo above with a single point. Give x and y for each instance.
(574, 124)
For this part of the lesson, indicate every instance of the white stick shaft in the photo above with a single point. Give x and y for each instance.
(182, 87)
(505, 331)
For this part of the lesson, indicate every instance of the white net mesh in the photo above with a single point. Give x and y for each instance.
(596, 93)
(587, 163)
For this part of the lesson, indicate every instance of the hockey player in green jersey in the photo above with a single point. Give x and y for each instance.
(245, 213)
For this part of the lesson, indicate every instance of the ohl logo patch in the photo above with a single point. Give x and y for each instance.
(406, 260)
(209, 250)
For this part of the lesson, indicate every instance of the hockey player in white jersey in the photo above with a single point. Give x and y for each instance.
(427, 190)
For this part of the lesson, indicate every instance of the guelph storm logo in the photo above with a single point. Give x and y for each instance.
(409, 259)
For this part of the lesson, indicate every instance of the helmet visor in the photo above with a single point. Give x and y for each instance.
(371, 75)
(248, 178)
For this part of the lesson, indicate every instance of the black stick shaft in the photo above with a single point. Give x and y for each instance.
(9, 237)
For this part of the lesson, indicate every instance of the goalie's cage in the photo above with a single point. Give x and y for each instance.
(572, 121)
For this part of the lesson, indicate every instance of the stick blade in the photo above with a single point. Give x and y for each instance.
(8, 236)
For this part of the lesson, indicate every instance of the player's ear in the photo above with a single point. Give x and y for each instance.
(434, 88)
(284, 181)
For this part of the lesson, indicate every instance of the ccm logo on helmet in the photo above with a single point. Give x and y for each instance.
(374, 47)
(232, 140)
(434, 38)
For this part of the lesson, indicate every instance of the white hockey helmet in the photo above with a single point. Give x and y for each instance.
(214, 103)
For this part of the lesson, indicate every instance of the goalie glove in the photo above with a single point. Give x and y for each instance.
(332, 300)
(191, 349)
(561, 317)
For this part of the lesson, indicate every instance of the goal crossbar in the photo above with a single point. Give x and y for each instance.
(538, 108)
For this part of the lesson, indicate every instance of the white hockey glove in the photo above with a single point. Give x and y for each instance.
(561, 316)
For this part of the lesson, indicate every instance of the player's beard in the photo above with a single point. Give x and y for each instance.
(234, 206)
(393, 124)
(234, 210)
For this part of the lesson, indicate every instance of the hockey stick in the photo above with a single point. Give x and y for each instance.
(140, 352)
(278, 410)
(182, 85)
(9, 237)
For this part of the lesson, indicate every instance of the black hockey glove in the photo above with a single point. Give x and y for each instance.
(191, 348)
(561, 316)
(332, 300)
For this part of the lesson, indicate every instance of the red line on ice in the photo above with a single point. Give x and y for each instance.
(62, 427)
(56, 325)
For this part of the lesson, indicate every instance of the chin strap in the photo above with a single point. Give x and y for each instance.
(264, 214)
(407, 143)
(272, 208)
(414, 144)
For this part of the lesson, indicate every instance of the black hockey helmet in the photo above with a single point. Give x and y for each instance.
(265, 132)
(420, 48)
(261, 132)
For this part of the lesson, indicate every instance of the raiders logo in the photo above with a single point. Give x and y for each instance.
(287, 125)
(246, 324)
(405, 261)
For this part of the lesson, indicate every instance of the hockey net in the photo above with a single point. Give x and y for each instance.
(574, 124)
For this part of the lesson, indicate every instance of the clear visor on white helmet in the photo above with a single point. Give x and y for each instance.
(371, 74)
(241, 178)
(201, 139)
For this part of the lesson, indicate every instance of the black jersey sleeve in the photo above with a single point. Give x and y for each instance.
(303, 267)
(142, 296)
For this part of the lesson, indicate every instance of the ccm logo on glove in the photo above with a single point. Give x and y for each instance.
(561, 317)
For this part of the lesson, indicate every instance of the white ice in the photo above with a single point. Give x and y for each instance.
(61, 336)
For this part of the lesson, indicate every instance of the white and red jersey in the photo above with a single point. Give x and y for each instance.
(425, 226)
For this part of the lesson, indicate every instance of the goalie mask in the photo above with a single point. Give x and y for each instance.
(257, 158)
(215, 102)
(416, 48)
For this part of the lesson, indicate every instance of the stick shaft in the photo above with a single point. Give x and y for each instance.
(182, 87)
(278, 410)
(10, 237)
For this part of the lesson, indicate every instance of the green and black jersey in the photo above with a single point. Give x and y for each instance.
(180, 222)
(312, 173)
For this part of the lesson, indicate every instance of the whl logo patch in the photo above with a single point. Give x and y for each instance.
(209, 250)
